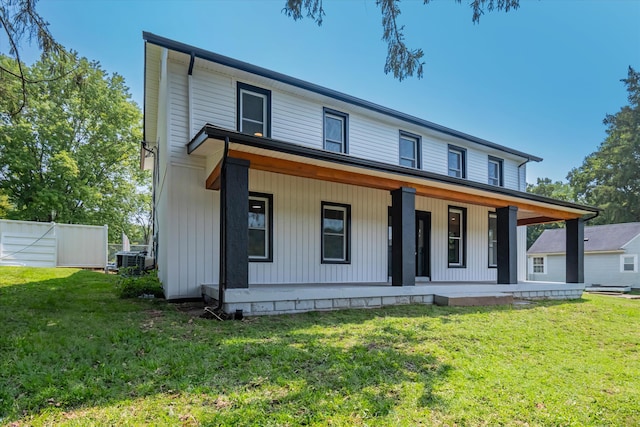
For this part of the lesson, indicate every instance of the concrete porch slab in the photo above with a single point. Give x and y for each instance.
(260, 299)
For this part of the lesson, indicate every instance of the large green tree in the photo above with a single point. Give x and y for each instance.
(70, 155)
(20, 22)
(402, 61)
(548, 188)
(610, 177)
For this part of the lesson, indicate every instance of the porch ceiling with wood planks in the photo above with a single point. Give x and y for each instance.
(290, 159)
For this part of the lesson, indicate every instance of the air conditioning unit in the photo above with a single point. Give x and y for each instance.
(134, 261)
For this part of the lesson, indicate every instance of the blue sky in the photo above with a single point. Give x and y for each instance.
(540, 79)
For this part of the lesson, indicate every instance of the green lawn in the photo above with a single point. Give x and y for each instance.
(71, 353)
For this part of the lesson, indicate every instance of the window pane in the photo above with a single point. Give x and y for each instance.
(454, 224)
(493, 254)
(333, 128)
(407, 162)
(333, 146)
(334, 247)
(454, 251)
(257, 243)
(257, 213)
(333, 221)
(493, 170)
(253, 128)
(493, 227)
(407, 148)
(454, 160)
(252, 107)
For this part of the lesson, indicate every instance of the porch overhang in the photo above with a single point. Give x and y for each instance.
(275, 156)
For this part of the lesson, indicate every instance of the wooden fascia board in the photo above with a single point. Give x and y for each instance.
(305, 170)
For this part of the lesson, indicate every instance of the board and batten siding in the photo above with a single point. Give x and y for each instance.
(297, 231)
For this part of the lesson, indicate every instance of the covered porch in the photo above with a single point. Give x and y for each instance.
(229, 157)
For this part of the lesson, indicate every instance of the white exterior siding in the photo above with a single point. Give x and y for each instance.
(214, 99)
(188, 214)
(297, 119)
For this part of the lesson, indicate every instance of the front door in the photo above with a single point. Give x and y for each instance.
(423, 244)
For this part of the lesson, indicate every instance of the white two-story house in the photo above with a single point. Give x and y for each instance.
(274, 194)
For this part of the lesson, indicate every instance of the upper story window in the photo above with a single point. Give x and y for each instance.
(457, 236)
(495, 171)
(254, 110)
(260, 227)
(409, 150)
(457, 162)
(336, 131)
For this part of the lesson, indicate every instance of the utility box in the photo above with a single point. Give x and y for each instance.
(131, 260)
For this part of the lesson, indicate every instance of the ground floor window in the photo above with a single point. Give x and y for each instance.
(260, 227)
(493, 240)
(538, 264)
(629, 263)
(457, 236)
(336, 221)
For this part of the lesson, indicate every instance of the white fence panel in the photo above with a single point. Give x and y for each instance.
(81, 245)
(28, 249)
(42, 244)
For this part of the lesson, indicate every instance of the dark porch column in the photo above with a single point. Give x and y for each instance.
(234, 205)
(403, 232)
(575, 250)
(507, 245)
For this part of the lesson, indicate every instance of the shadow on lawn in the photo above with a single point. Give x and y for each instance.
(69, 343)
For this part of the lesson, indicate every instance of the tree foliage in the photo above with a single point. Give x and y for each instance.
(71, 154)
(19, 22)
(555, 189)
(610, 177)
(401, 60)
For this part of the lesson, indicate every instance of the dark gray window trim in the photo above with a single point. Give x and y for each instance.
(463, 159)
(283, 78)
(269, 197)
(347, 208)
(464, 236)
(500, 163)
(418, 139)
(490, 214)
(345, 129)
(259, 90)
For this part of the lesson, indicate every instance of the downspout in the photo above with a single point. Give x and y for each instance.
(520, 183)
(222, 279)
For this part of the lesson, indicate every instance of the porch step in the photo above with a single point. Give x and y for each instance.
(601, 288)
(472, 299)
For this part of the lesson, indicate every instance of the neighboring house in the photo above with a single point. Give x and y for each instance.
(610, 255)
(306, 186)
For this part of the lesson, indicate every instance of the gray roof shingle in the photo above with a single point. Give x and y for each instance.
(610, 237)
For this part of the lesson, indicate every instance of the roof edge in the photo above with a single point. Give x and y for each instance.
(263, 72)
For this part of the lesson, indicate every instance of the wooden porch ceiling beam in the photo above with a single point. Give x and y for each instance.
(304, 170)
(213, 180)
(538, 220)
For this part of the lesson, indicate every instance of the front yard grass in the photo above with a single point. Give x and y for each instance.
(71, 353)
